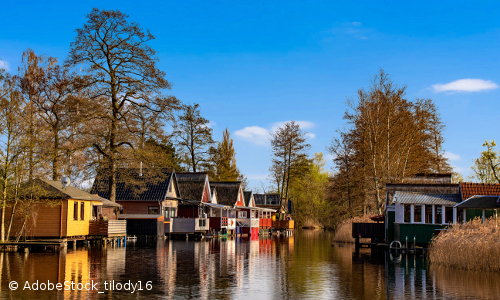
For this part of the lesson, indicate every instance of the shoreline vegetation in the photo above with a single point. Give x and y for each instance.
(469, 246)
(343, 231)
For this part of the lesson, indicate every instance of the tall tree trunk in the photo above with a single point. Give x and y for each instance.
(54, 154)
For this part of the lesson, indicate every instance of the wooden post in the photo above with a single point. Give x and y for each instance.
(484, 215)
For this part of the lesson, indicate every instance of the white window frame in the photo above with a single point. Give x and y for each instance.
(242, 215)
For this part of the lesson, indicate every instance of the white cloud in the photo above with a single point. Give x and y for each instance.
(4, 65)
(260, 135)
(211, 124)
(255, 134)
(330, 157)
(302, 124)
(465, 85)
(451, 156)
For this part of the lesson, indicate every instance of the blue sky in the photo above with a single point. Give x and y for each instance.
(255, 64)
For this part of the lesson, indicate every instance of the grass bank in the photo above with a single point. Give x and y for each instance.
(343, 231)
(469, 246)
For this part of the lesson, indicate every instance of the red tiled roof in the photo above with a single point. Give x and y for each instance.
(468, 189)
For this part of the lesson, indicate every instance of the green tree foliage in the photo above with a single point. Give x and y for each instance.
(308, 194)
(169, 157)
(486, 168)
(194, 137)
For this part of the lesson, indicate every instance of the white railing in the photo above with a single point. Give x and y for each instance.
(255, 222)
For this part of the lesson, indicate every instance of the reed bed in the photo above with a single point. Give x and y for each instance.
(469, 246)
(343, 231)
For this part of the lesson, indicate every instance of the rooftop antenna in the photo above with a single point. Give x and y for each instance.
(65, 181)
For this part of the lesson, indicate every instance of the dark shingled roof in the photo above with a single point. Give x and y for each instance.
(130, 186)
(469, 189)
(48, 189)
(266, 199)
(191, 185)
(484, 202)
(247, 195)
(227, 191)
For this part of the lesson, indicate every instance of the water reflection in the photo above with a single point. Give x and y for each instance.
(302, 266)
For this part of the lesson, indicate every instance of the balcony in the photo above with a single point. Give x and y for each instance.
(265, 223)
(108, 227)
(283, 224)
(188, 225)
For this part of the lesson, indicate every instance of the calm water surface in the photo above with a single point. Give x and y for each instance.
(304, 266)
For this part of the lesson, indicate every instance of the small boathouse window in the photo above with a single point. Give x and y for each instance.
(438, 214)
(75, 211)
(407, 213)
(242, 214)
(153, 210)
(417, 213)
(449, 215)
(428, 214)
(82, 211)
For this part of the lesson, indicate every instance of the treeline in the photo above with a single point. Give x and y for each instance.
(386, 139)
(104, 108)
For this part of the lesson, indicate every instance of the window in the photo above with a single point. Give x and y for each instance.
(242, 214)
(449, 215)
(166, 212)
(153, 210)
(460, 215)
(82, 211)
(75, 211)
(417, 213)
(428, 214)
(407, 213)
(438, 214)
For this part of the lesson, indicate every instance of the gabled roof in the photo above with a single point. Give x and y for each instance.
(227, 191)
(266, 199)
(424, 198)
(48, 189)
(247, 197)
(191, 185)
(425, 188)
(484, 202)
(469, 189)
(152, 184)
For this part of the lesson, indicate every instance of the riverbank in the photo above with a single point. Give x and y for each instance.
(343, 231)
(469, 246)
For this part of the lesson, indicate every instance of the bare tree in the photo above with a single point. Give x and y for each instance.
(289, 151)
(121, 69)
(194, 137)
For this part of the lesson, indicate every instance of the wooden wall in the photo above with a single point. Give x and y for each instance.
(109, 212)
(45, 221)
(138, 207)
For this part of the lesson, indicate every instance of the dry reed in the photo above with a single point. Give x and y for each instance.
(343, 231)
(470, 246)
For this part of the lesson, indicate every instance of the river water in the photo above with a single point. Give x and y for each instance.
(303, 266)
